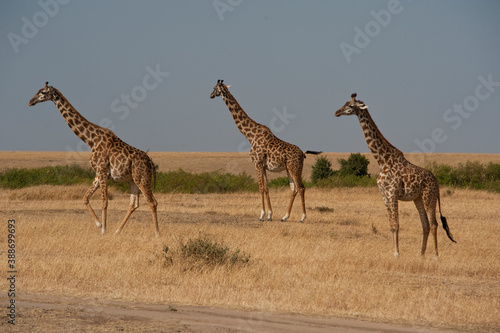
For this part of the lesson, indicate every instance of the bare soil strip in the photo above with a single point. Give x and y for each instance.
(44, 313)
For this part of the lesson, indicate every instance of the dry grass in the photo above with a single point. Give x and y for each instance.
(338, 263)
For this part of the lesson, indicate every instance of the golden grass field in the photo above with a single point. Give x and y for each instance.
(338, 263)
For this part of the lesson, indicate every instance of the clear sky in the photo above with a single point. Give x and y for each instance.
(429, 72)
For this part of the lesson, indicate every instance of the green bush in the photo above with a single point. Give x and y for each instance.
(322, 169)
(356, 165)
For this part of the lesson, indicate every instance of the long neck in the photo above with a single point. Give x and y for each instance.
(84, 129)
(245, 124)
(383, 151)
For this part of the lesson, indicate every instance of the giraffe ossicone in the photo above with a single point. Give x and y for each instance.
(399, 180)
(110, 158)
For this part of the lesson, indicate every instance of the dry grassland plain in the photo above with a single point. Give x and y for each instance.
(338, 263)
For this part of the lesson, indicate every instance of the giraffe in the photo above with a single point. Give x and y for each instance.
(399, 180)
(110, 158)
(267, 153)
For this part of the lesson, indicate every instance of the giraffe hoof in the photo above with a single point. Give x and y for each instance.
(269, 219)
(261, 220)
(98, 224)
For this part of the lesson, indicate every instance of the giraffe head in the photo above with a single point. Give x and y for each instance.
(44, 94)
(219, 88)
(352, 107)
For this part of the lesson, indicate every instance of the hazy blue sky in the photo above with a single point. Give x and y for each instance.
(429, 72)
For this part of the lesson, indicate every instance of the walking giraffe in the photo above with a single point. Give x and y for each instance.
(398, 178)
(267, 153)
(111, 157)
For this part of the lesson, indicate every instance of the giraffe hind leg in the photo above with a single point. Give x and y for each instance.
(153, 205)
(86, 200)
(296, 186)
(426, 227)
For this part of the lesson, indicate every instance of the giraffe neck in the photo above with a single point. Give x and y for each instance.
(245, 124)
(383, 151)
(84, 129)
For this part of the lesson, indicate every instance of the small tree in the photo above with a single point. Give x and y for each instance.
(356, 164)
(322, 169)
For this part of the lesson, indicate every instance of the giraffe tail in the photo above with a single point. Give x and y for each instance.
(445, 223)
(153, 170)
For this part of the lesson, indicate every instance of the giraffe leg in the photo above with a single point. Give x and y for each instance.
(302, 192)
(296, 186)
(86, 201)
(153, 205)
(293, 188)
(419, 203)
(134, 204)
(392, 207)
(264, 193)
(104, 196)
(431, 210)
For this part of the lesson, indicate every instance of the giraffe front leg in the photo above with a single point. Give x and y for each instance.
(264, 193)
(394, 220)
(86, 200)
(392, 207)
(134, 204)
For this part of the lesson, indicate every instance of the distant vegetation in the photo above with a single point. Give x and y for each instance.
(353, 173)
(58, 175)
(473, 175)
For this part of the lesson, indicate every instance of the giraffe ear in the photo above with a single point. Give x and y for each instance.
(363, 106)
(228, 86)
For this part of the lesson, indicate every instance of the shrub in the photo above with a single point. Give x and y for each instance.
(356, 165)
(322, 169)
(211, 253)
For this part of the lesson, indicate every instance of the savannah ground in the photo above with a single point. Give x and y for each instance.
(300, 277)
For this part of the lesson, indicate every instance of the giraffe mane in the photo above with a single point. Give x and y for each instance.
(381, 136)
